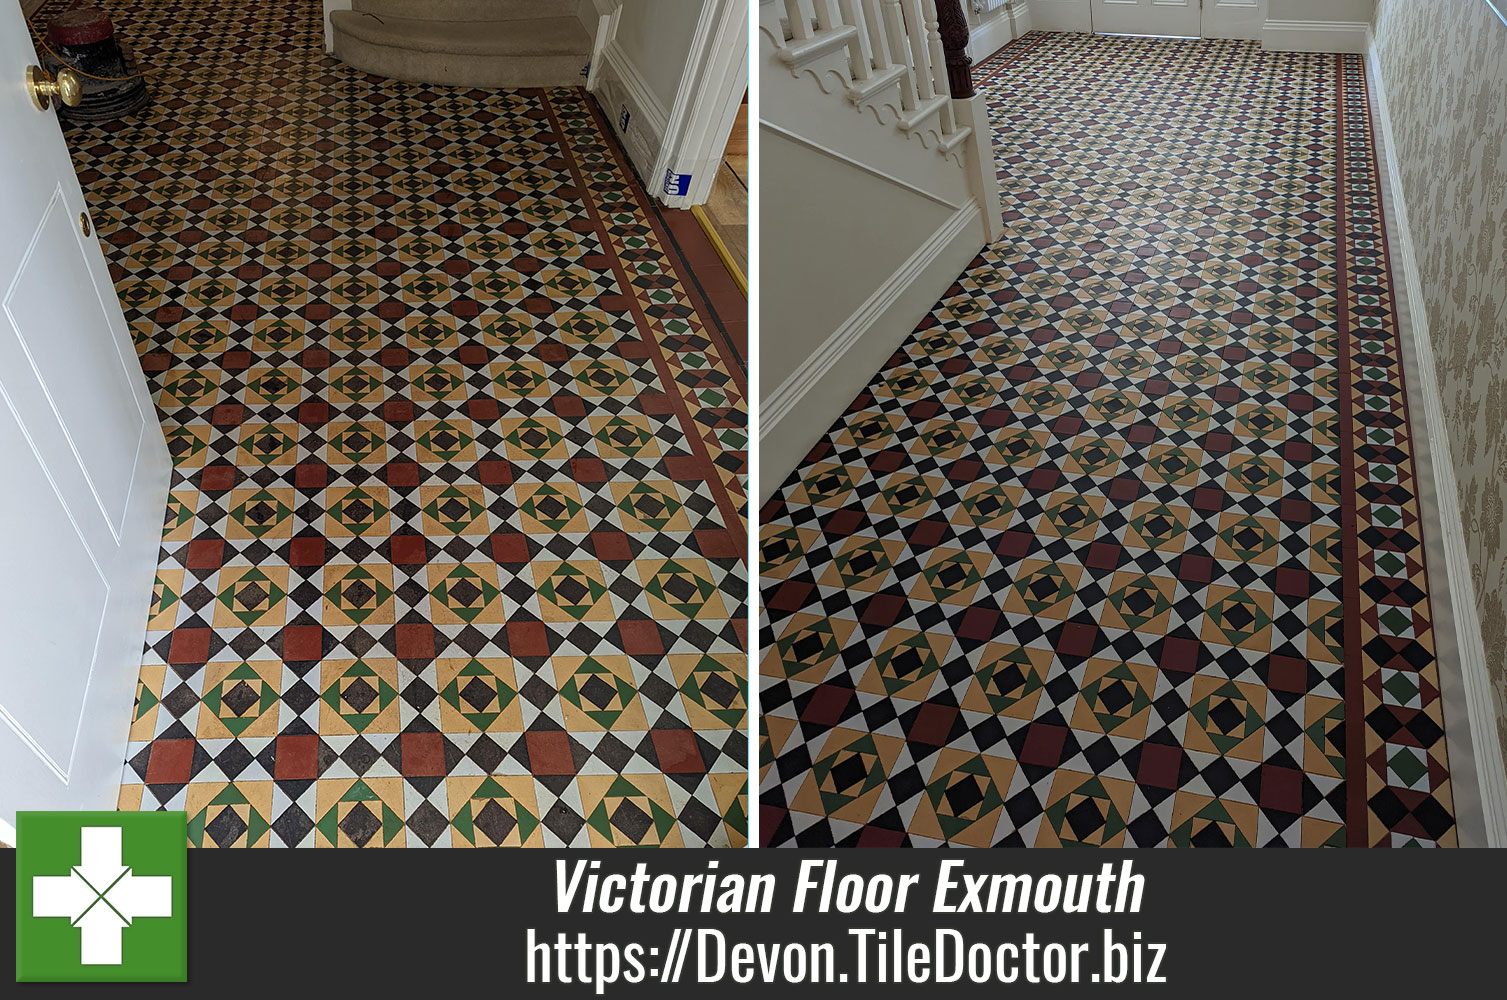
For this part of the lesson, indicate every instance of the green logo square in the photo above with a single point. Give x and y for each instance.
(101, 897)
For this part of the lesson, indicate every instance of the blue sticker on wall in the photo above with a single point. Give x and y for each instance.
(677, 184)
(622, 120)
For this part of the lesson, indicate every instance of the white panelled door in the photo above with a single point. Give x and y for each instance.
(85, 474)
(1146, 17)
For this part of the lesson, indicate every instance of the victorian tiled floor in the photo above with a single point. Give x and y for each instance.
(1122, 546)
(454, 552)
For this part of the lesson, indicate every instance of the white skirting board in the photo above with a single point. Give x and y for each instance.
(800, 410)
(1061, 15)
(622, 91)
(1476, 681)
(1315, 36)
(988, 37)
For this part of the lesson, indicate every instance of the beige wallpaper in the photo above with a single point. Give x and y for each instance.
(1444, 71)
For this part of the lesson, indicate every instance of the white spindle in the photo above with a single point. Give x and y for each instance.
(852, 13)
(824, 19)
(940, 83)
(920, 60)
(878, 46)
(894, 27)
(800, 24)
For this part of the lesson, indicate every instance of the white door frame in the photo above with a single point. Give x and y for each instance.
(706, 102)
(711, 88)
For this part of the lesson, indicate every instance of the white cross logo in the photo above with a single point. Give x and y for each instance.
(101, 896)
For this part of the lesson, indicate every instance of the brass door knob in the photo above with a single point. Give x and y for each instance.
(43, 87)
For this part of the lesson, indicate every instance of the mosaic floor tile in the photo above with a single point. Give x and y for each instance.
(457, 519)
(1122, 546)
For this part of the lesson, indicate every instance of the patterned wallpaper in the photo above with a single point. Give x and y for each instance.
(1444, 70)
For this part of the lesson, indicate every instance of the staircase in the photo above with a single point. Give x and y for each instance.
(889, 60)
(505, 44)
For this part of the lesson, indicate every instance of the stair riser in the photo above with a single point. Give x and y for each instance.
(468, 10)
(446, 69)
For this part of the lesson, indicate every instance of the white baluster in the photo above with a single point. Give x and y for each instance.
(800, 24)
(894, 28)
(878, 45)
(920, 59)
(852, 13)
(940, 84)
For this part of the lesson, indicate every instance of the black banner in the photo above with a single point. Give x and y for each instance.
(847, 924)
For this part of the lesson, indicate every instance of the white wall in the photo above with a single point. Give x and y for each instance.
(655, 35)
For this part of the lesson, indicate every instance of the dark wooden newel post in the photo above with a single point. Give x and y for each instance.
(953, 27)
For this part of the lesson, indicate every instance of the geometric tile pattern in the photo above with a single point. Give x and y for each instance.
(1121, 547)
(454, 555)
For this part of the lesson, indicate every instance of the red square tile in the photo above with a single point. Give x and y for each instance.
(227, 415)
(1281, 789)
(205, 553)
(677, 751)
(483, 410)
(311, 475)
(549, 753)
(716, 544)
(307, 551)
(842, 523)
(1179, 654)
(423, 755)
(303, 643)
(827, 705)
(568, 405)
(656, 404)
(932, 725)
(687, 468)
(881, 609)
(397, 412)
(408, 550)
(414, 641)
(1103, 555)
(189, 645)
(510, 547)
(401, 474)
(791, 595)
(1287, 673)
(640, 637)
(588, 470)
(610, 545)
(171, 762)
(296, 757)
(528, 639)
(1043, 745)
(926, 534)
(1160, 766)
(494, 472)
(979, 624)
(314, 413)
(217, 478)
(1077, 639)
